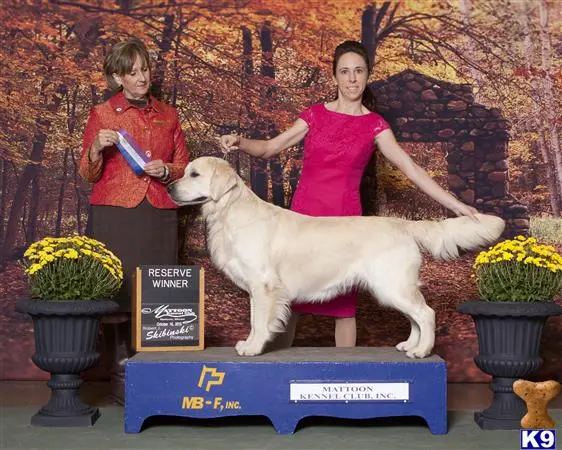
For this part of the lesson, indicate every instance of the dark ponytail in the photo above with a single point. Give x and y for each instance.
(368, 99)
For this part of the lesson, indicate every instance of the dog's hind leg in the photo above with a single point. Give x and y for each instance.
(415, 308)
(424, 316)
(401, 291)
(262, 304)
(412, 340)
(407, 298)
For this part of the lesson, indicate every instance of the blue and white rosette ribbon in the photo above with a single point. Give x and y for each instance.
(131, 152)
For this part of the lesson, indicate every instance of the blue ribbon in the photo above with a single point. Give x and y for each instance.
(132, 153)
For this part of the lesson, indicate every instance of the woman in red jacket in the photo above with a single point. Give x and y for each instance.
(133, 214)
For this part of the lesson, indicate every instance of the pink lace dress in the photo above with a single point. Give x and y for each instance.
(337, 149)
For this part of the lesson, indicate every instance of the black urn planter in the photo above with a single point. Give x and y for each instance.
(509, 337)
(65, 345)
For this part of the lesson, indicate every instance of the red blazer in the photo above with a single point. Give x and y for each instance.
(156, 129)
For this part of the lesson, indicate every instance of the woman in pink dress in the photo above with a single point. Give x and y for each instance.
(339, 139)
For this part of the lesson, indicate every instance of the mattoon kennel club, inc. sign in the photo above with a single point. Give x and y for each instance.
(349, 392)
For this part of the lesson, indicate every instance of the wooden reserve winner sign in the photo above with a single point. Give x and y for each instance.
(168, 308)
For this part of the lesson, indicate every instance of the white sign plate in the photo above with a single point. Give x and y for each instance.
(349, 392)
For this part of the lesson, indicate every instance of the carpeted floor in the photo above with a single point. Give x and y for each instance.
(252, 433)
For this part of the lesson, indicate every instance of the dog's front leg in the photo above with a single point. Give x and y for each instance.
(262, 306)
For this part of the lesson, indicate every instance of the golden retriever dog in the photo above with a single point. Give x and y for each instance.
(280, 257)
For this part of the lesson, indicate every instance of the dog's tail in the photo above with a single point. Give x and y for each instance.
(443, 239)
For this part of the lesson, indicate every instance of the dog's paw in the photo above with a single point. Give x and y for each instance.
(418, 353)
(243, 348)
(240, 347)
(405, 346)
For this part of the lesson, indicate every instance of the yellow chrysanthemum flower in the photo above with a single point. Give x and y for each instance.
(517, 269)
(79, 260)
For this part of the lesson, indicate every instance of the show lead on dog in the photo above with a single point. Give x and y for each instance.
(132, 214)
(338, 143)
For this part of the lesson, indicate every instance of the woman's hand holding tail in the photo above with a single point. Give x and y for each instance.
(461, 209)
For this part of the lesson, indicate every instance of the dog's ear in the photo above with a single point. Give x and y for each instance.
(222, 181)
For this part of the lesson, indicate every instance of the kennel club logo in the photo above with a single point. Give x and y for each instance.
(165, 312)
(208, 378)
(171, 322)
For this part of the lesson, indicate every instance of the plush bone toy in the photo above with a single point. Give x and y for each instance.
(537, 396)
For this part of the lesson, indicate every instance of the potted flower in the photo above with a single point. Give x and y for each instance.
(518, 281)
(72, 280)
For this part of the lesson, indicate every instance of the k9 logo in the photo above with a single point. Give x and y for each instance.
(538, 439)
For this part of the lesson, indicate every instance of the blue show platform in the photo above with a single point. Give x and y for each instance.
(286, 385)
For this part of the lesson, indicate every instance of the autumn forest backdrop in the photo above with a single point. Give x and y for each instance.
(471, 89)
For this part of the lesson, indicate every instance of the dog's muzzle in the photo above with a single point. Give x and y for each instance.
(196, 201)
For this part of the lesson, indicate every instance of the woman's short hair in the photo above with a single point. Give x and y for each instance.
(121, 59)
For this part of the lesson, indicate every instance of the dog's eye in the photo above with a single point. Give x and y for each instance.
(193, 174)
